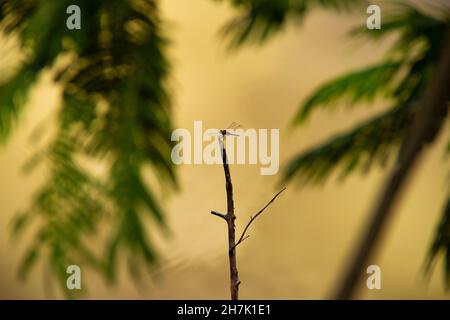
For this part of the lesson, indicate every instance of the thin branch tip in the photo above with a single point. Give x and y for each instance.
(218, 214)
(243, 237)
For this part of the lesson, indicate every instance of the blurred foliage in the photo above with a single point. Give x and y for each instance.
(115, 111)
(400, 78)
(442, 243)
(260, 19)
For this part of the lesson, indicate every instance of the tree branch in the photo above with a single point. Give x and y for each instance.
(230, 218)
(220, 215)
(241, 239)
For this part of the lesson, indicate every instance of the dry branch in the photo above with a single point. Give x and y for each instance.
(230, 218)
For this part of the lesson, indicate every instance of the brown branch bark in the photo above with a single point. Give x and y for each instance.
(230, 219)
(427, 123)
(220, 215)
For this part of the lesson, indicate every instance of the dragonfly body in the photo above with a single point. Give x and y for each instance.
(233, 126)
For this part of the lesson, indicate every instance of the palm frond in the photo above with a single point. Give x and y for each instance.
(410, 25)
(67, 211)
(400, 77)
(360, 147)
(263, 18)
(38, 25)
(358, 86)
(116, 112)
(402, 81)
(13, 96)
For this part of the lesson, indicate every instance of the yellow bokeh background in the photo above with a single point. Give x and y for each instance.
(300, 246)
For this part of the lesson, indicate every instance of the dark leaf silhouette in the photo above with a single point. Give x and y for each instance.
(115, 112)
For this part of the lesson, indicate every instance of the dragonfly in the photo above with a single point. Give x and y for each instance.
(233, 126)
(226, 132)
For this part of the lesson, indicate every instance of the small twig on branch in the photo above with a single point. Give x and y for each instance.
(239, 242)
(220, 215)
(230, 218)
(241, 239)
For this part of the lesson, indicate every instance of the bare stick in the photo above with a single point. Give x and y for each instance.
(220, 215)
(230, 219)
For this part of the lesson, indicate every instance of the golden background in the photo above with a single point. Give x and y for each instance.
(299, 247)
